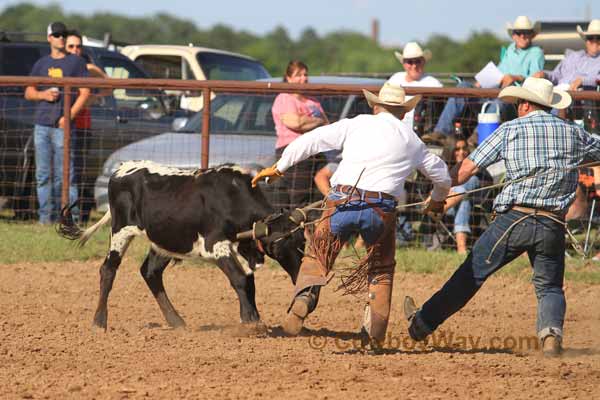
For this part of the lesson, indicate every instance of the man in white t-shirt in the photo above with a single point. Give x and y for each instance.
(378, 153)
(413, 59)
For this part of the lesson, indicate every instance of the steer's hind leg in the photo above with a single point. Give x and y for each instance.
(244, 287)
(152, 271)
(118, 245)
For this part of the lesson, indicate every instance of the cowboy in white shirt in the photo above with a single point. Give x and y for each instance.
(413, 58)
(379, 152)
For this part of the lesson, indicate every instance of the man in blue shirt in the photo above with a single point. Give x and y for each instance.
(49, 122)
(519, 61)
(530, 212)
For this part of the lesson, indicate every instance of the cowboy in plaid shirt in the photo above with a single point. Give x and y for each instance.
(530, 212)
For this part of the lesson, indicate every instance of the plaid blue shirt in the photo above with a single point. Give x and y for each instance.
(534, 144)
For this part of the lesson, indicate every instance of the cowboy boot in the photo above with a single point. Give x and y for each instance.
(321, 253)
(380, 280)
(304, 303)
(417, 329)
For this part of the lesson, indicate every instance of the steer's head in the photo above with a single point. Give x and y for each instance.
(281, 236)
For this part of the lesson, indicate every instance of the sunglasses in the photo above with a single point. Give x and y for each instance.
(522, 32)
(593, 38)
(58, 35)
(413, 61)
(74, 46)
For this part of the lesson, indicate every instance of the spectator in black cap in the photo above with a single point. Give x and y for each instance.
(49, 121)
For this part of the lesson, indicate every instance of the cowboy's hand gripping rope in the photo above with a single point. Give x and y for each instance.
(434, 209)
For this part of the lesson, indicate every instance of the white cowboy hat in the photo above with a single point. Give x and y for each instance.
(539, 91)
(593, 29)
(522, 23)
(392, 96)
(412, 50)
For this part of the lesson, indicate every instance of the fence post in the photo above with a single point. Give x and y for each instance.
(205, 127)
(66, 147)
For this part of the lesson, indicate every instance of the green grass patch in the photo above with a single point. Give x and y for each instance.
(26, 242)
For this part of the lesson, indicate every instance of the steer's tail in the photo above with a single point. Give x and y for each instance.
(68, 229)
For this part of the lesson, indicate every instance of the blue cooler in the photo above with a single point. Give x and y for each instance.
(488, 122)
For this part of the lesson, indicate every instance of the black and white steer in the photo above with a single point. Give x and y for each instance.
(187, 214)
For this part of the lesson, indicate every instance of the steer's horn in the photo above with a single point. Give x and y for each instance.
(299, 215)
(245, 235)
(259, 230)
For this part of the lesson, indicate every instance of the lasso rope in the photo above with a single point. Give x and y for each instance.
(501, 184)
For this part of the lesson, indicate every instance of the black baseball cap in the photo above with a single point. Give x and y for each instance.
(56, 27)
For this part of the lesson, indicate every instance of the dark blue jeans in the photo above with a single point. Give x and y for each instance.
(544, 241)
(359, 217)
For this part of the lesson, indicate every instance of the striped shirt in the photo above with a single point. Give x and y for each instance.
(535, 144)
(576, 64)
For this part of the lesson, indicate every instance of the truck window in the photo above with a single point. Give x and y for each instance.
(226, 112)
(226, 67)
(116, 67)
(165, 67)
(123, 68)
(231, 111)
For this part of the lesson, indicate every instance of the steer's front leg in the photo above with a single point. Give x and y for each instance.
(244, 287)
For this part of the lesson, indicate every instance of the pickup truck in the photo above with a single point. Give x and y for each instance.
(191, 62)
(123, 117)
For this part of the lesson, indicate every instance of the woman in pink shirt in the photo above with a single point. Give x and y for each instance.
(295, 114)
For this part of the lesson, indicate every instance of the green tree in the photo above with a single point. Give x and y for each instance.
(336, 52)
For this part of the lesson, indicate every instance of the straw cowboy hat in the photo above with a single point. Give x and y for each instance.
(593, 29)
(522, 23)
(539, 91)
(392, 96)
(412, 50)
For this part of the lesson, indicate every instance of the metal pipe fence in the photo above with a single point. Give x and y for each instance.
(139, 119)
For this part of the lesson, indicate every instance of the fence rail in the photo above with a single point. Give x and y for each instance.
(265, 87)
(131, 128)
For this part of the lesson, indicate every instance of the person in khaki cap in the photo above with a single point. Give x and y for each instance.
(579, 69)
(414, 59)
(530, 213)
(379, 152)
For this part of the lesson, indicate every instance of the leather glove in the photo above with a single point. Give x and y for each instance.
(435, 209)
(270, 173)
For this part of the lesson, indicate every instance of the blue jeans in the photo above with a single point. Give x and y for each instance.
(48, 172)
(359, 217)
(544, 241)
(461, 213)
(455, 107)
(462, 216)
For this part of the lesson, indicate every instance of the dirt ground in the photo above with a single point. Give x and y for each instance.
(47, 349)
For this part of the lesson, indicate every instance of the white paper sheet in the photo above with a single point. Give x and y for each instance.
(490, 76)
